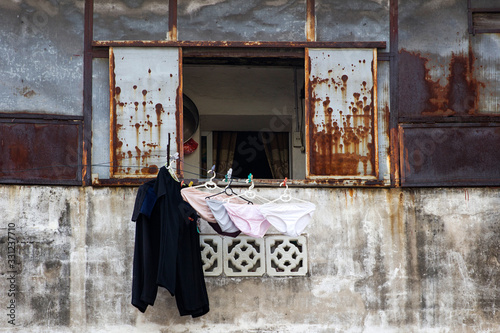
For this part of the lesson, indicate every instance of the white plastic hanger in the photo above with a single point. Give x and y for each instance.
(228, 190)
(286, 196)
(209, 185)
(169, 167)
(249, 193)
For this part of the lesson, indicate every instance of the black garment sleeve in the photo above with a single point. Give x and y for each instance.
(191, 293)
(146, 248)
(168, 193)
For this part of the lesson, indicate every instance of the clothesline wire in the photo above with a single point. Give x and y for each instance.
(109, 164)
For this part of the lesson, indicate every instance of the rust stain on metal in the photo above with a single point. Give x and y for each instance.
(41, 151)
(172, 20)
(420, 95)
(341, 114)
(335, 141)
(152, 170)
(137, 148)
(310, 20)
(27, 92)
(374, 112)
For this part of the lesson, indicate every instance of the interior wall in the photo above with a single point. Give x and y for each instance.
(244, 98)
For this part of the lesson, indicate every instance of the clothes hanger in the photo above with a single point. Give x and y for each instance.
(209, 185)
(228, 190)
(286, 196)
(169, 166)
(249, 193)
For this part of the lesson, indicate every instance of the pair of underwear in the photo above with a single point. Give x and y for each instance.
(288, 218)
(197, 200)
(253, 220)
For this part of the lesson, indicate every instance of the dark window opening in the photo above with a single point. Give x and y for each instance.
(250, 157)
(263, 154)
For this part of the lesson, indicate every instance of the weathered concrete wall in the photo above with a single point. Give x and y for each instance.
(386, 260)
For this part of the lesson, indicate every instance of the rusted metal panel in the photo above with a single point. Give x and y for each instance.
(421, 96)
(144, 86)
(100, 119)
(450, 154)
(231, 44)
(394, 90)
(486, 51)
(486, 21)
(341, 113)
(281, 20)
(40, 151)
(383, 123)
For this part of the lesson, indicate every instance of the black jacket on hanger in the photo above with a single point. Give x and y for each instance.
(167, 248)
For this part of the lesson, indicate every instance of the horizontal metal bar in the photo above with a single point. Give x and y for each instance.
(215, 54)
(485, 10)
(451, 120)
(38, 116)
(120, 182)
(384, 56)
(453, 183)
(168, 43)
(199, 52)
(486, 31)
(304, 183)
(41, 182)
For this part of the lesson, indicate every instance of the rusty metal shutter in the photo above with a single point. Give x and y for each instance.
(145, 85)
(449, 154)
(341, 114)
(40, 151)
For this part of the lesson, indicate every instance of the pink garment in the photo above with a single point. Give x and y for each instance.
(197, 199)
(248, 219)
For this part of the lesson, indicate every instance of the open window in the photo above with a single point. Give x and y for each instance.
(239, 116)
(307, 114)
(248, 115)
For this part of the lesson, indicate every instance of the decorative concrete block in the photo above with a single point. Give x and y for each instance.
(286, 256)
(211, 254)
(244, 256)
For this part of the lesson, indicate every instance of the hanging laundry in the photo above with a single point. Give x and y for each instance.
(248, 219)
(288, 218)
(221, 216)
(197, 199)
(146, 249)
(167, 248)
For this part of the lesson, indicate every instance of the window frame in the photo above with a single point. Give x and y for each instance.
(281, 52)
